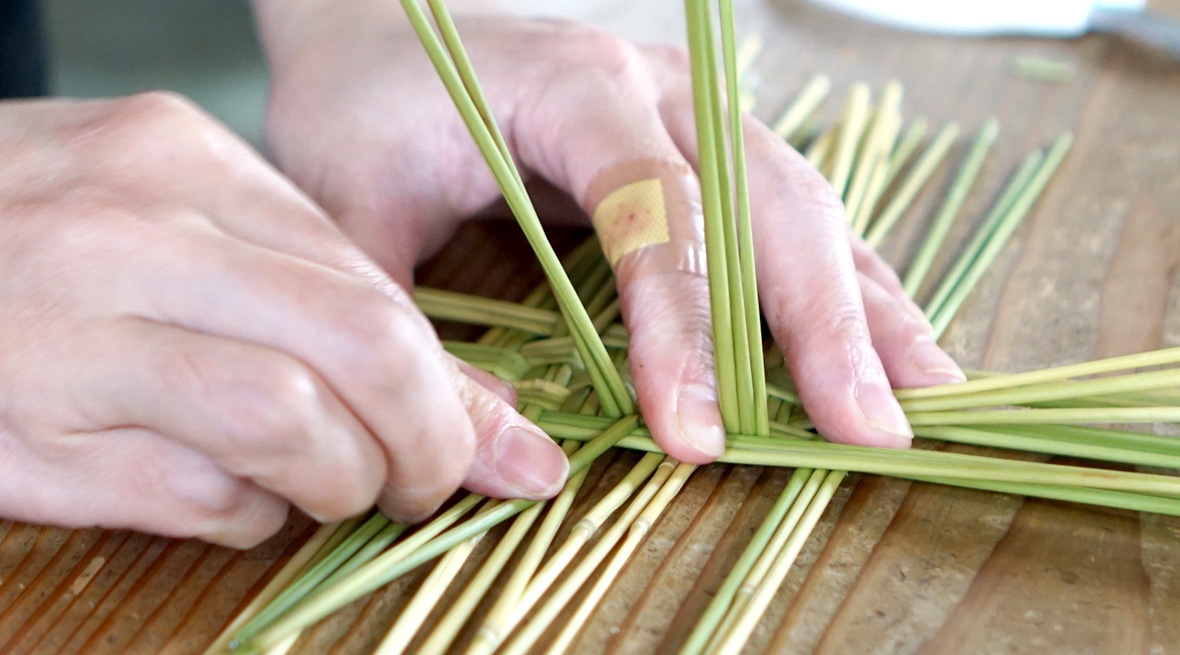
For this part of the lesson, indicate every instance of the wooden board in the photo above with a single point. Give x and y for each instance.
(894, 567)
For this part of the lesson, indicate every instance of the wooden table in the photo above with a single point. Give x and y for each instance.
(894, 567)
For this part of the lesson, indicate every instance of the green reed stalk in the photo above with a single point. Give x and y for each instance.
(803, 106)
(941, 316)
(457, 74)
(951, 206)
(917, 177)
(751, 359)
(703, 88)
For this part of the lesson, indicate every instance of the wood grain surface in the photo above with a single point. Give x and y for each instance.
(894, 567)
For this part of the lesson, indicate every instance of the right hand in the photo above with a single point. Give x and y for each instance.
(188, 344)
(358, 118)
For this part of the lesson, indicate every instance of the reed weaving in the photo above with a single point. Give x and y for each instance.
(195, 337)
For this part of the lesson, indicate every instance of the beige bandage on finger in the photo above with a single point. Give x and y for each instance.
(647, 213)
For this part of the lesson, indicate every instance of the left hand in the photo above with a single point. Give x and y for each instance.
(358, 119)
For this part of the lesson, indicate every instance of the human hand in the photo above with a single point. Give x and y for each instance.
(359, 120)
(188, 344)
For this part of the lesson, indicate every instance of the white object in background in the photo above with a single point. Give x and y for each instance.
(1058, 18)
(985, 17)
(643, 21)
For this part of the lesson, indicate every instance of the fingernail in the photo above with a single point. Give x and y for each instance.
(700, 420)
(530, 461)
(930, 359)
(881, 410)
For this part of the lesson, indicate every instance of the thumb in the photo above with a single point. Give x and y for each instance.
(513, 457)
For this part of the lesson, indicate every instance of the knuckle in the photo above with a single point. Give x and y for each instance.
(593, 65)
(885, 275)
(243, 521)
(413, 503)
(385, 333)
(815, 190)
(824, 320)
(219, 501)
(845, 323)
(876, 268)
(208, 499)
(861, 250)
(595, 62)
(672, 300)
(871, 264)
(415, 489)
(354, 262)
(675, 57)
(827, 337)
(910, 328)
(160, 103)
(452, 449)
(489, 381)
(275, 411)
(455, 465)
(153, 114)
(159, 124)
(806, 187)
(188, 371)
(284, 433)
(262, 526)
(670, 322)
(609, 53)
(284, 404)
(349, 488)
(489, 414)
(265, 404)
(345, 501)
(371, 318)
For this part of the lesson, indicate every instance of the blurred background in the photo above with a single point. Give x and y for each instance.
(207, 49)
(204, 49)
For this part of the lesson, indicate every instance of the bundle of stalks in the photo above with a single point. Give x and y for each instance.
(565, 351)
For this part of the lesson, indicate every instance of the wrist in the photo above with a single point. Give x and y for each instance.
(286, 27)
